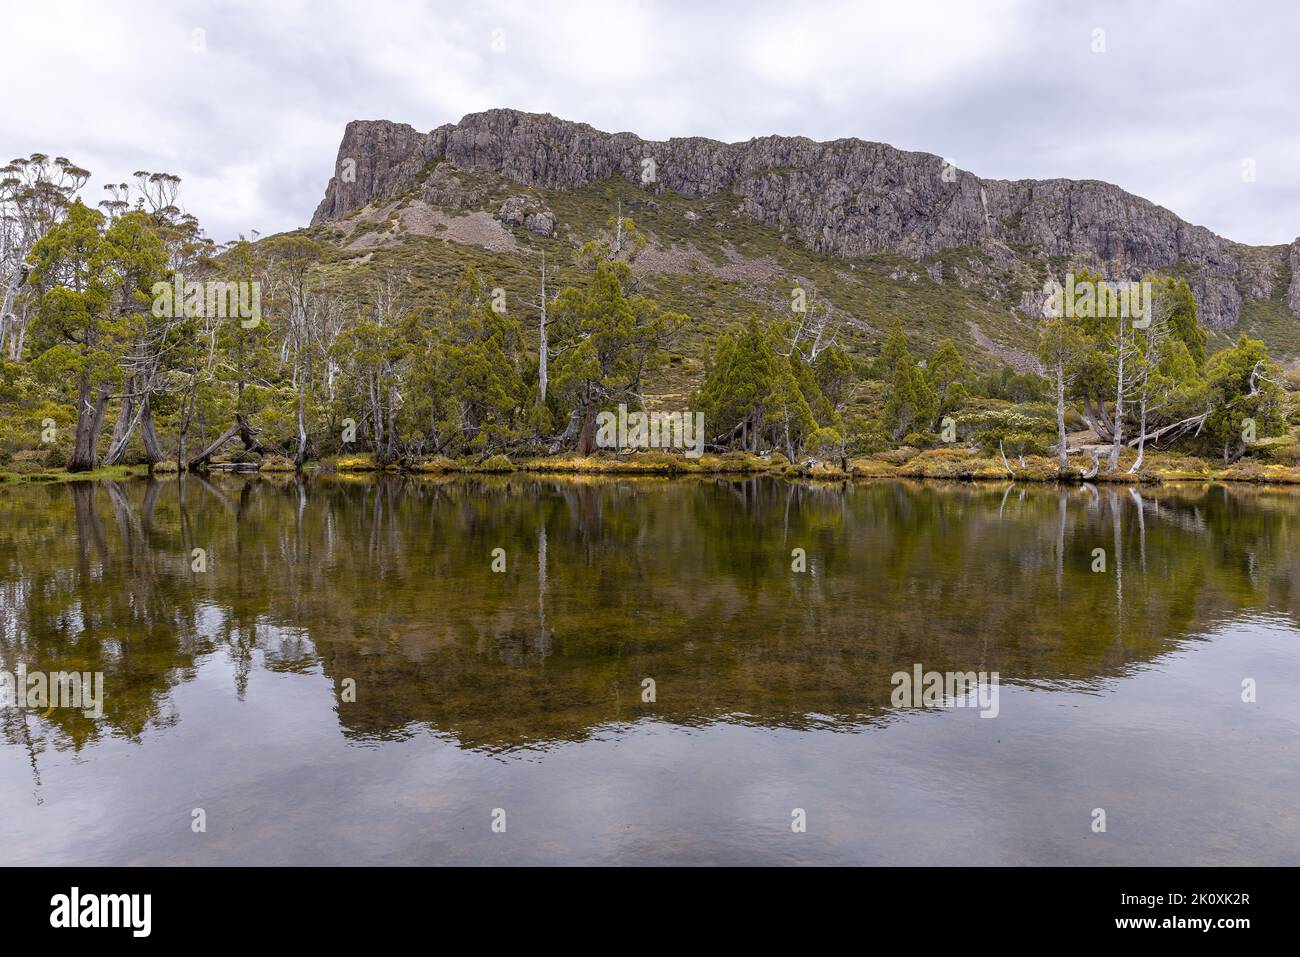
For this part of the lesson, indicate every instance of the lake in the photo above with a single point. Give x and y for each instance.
(536, 670)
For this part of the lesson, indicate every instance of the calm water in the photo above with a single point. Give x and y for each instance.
(229, 689)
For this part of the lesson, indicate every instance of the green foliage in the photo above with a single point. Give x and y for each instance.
(761, 397)
(404, 341)
(912, 402)
(605, 342)
(1244, 398)
(1174, 299)
(1011, 386)
(944, 376)
(95, 280)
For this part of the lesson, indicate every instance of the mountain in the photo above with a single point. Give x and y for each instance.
(503, 180)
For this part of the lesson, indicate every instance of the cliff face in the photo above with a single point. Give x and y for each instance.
(1293, 291)
(847, 197)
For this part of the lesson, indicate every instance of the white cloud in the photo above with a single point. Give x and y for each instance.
(1009, 89)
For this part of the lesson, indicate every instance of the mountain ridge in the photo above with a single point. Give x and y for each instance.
(846, 197)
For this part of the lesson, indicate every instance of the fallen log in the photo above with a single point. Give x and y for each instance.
(247, 434)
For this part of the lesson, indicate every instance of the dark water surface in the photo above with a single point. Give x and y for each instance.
(228, 689)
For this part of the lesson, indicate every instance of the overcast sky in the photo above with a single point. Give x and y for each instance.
(1186, 98)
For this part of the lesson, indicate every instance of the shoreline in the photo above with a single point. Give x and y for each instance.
(936, 468)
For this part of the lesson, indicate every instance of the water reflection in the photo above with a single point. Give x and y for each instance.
(387, 586)
(231, 688)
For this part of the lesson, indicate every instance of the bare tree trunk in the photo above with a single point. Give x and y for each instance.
(90, 419)
(391, 452)
(11, 290)
(542, 346)
(301, 456)
(208, 452)
(1142, 438)
(122, 429)
(149, 435)
(565, 437)
(1119, 408)
(1098, 418)
(587, 431)
(376, 414)
(1062, 452)
(16, 338)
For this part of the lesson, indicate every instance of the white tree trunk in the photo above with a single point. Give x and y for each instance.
(1119, 406)
(1142, 439)
(1063, 454)
(542, 346)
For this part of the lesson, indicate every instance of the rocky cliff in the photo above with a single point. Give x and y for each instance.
(847, 197)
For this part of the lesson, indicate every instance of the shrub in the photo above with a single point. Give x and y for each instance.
(659, 461)
(945, 454)
(919, 440)
(896, 456)
(56, 458)
(869, 441)
(435, 464)
(740, 462)
(355, 463)
(1011, 386)
(1281, 453)
(825, 443)
(497, 463)
(277, 463)
(1017, 443)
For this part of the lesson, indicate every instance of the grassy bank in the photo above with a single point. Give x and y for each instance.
(115, 473)
(946, 464)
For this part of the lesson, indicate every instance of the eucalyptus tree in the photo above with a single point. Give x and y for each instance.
(95, 282)
(160, 338)
(1168, 377)
(1061, 343)
(372, 351)
(302, 301)
(35, 193)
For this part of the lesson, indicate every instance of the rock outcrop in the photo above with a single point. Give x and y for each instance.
(846, 197)
(527, 212)
(1293, 291)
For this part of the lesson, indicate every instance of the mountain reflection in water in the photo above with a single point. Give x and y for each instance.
(471, 683)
